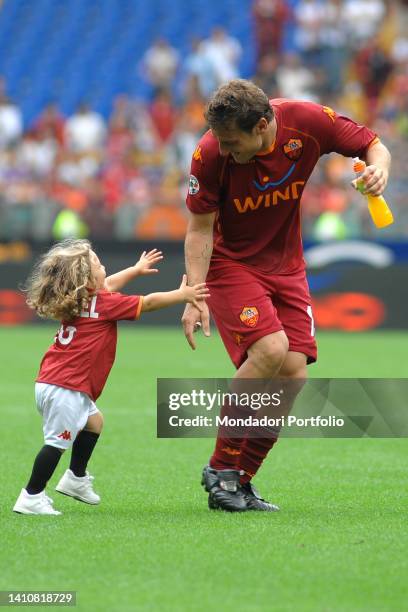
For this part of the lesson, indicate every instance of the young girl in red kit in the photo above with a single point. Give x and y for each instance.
(69, 284)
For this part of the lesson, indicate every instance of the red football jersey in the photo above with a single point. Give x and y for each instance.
(84, 349)
(258, 203)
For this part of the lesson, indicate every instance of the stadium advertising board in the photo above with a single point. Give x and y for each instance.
(355, 285)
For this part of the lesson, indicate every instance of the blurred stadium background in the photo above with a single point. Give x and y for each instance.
(101, 106)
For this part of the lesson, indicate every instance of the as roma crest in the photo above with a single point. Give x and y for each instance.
(249, 316)
(293, 149)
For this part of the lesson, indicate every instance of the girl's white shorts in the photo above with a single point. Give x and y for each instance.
(64, 412)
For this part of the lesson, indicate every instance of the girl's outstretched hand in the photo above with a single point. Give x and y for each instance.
(195, 294)
(147, 260)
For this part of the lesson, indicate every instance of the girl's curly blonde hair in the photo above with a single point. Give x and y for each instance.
(61, 282)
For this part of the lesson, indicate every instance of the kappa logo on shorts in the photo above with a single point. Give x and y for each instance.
(249, 316)
(193, 185)
(65, 435)
(238, 338)
(293, 149)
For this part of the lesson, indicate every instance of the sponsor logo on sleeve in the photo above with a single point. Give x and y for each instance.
(329, 112)
(249, 316)
(193, 185)
(197, 154)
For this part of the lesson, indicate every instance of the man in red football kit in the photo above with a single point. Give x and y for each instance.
(248, 173)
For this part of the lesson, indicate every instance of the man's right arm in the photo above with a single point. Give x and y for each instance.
(198, 250)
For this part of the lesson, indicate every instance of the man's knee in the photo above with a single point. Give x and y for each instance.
(294, 366)
(270, 352)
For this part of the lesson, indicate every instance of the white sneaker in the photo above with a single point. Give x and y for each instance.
(78, 487)
(34, 504)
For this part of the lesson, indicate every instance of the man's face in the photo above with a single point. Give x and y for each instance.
(242, 145)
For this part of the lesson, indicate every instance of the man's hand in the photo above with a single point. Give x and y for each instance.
(147, 260)
(194, 295)
(375, 180)
(193, 319)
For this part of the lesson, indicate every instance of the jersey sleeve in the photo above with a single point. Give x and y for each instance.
(120, 307)
(206, 177)
(337, 133)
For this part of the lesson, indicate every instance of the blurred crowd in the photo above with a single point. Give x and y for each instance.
(125, 177)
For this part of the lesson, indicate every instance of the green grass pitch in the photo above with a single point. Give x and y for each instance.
(338, 544)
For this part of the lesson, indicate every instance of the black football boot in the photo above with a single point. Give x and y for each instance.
(225, 492)
(254, 500)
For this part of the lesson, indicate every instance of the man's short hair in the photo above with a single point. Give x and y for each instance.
(238, 104)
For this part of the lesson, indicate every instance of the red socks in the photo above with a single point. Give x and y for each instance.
(226, 453)
(227, 449)
(241, 454)
(253, 452)
(246, 453)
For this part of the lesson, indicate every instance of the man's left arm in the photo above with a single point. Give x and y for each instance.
(339, 134)
(375, 176)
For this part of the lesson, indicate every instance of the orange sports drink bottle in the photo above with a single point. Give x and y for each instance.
(378, 207)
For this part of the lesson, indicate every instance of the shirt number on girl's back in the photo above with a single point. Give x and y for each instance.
(91, 312)
(66, 334)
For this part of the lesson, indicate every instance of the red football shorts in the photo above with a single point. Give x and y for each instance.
(248, 304)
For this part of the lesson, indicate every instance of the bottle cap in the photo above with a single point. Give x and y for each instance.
(359, 165)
